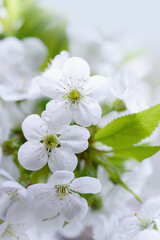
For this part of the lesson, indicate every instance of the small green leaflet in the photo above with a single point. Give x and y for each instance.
(137, 152)
(130, 129)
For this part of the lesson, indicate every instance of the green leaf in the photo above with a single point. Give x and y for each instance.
(97, 203)
(24, 180)
(137, 152)
(10, 147)
(41, 175)
(130, 129)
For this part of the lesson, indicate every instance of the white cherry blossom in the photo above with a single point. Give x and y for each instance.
(145, 218)
(18, 220)
(20, 62)
(16, 192)
(61, 195)
(75, 95)
(127, 87)
(54, 144)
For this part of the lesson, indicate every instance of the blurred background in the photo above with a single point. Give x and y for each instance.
(135, 20)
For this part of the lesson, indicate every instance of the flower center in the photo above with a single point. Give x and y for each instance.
(62, 190)
(50, 142)
(74, 95)
(144, 223)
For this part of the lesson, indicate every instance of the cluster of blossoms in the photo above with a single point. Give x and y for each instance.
(56, 175)
(51, 139)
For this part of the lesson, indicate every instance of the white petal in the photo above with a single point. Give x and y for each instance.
(3, 227)
(97, 88)
(148, 235)
(1, 153)
(34, 91)
(62, 159)
(47, 205)
(32, 156)
(74, 207)
(77, 70)
(72, 230)
(18, 215)
(150, 208)
(59, 60)
(34, 128)
(61, 177)
(87, 113)
(52, 85)
(45, 199)
(10, 185)
(36, 52)
(76, 138)
(8, 94)
(59, 112)
(4, 175)
(15, 191)
(39, 188)
(56, 128)
(86, 185)
(23, 236)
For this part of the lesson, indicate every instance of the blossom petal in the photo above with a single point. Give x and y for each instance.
(61, 177)
(46, 200)
(62, 159)
(148, 234)
(59, 112)
(4, 175)
(39, 188)
(10, 185)
(59, 60)
(20, 216)
(150, 208)
(32, 156)
(74, 207)
(52, 85)
(87, 113)
(77, 70)
(86, 185)
(76, 138)
(13, 188)
(96, 88)
(36, 52)
(47, 205)
(34, 128)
